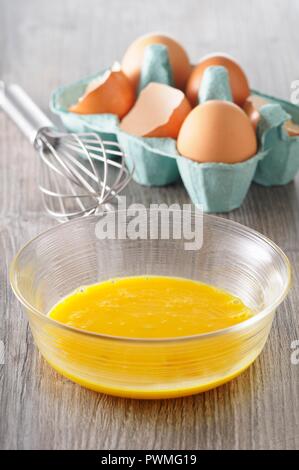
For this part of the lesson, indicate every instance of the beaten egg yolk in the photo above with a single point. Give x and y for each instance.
(150, 307)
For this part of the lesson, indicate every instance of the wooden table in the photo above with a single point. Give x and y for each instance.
(44, 44)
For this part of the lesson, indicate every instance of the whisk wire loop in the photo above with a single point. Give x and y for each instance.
(80, 174)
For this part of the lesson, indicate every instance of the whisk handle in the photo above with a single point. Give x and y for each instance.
(23, 111)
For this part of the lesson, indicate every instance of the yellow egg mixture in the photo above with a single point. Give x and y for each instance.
(150, 307)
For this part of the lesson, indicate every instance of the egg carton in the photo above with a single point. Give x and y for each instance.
(218, 187)
(281, 162)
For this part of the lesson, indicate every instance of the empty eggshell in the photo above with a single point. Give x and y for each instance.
(179, 61)
(158, 112)
(238, 80)
(111, 93)
(291, 128)
(252, 107)
(217, 131)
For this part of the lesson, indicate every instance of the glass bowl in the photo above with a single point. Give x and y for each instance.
(232, 257)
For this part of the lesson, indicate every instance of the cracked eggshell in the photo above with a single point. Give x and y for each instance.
(217, 131)
(158, 112)
(252, 105)
(291, 128)
(238, 80)
(179, 61)
(104, 125)
(111, 93)
(252, 108)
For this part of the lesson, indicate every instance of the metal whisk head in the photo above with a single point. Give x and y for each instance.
(79, 174)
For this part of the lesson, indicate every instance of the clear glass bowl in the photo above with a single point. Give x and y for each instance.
(232, 257)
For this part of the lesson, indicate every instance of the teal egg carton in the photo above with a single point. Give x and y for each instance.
(281, 162)
(218, 187)
(154, 160)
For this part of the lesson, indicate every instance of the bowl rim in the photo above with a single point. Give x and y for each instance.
(231, 329)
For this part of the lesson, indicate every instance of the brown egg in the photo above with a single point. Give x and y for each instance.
(217, 131)
(158, 112)
(238, 80)
(112, 93)
(179, 61)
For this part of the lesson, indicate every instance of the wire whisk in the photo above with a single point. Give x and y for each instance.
(80, 174)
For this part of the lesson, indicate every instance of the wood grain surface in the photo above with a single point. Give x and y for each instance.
(44, 44)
